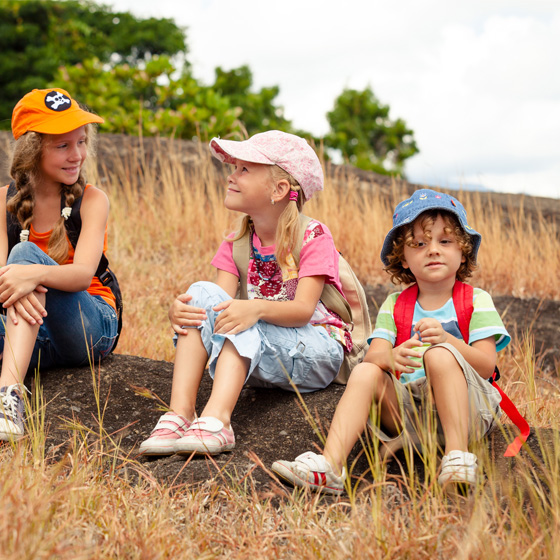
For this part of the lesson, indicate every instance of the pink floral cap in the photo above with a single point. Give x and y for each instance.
(288, 151)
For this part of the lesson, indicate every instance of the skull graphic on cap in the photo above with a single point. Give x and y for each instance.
(57, 101)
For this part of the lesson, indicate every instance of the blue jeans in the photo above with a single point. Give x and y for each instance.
(72, 318)
(307, 355)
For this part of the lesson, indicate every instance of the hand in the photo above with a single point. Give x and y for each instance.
(183, 315)
(431, 331)
(236, 316)
(17, 281)
(28, 308)
(402, 354)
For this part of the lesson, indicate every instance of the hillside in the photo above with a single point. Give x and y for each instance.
(124, 379)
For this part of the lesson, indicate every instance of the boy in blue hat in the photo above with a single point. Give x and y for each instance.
(426, 363)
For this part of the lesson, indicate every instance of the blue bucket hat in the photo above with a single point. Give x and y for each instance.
(425, 199)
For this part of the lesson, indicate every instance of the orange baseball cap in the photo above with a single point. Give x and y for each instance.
(50, 111)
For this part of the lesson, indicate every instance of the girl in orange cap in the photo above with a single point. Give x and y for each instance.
(53, 236)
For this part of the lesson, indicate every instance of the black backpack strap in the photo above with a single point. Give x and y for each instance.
(74, 223)
(13, 227)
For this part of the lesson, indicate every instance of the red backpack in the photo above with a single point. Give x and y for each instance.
(463, 302)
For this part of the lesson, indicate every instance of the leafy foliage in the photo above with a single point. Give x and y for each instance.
(151, 100)
(135, 74)
(362, 130)
(258, 111)
(37, 37)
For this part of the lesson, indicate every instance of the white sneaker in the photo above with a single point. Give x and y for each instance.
(168, 430)
(458, 467)
(312, 471)
(12, 412)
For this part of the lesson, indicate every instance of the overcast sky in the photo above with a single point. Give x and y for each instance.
(478, 81)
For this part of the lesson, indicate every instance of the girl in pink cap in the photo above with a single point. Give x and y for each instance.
(279, 334)
(59, 310)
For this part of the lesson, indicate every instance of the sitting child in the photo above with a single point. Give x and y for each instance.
(279, 334)
(431, 244)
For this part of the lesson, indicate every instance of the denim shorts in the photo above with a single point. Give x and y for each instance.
(279, 356)
(78, 326)
(484, 404)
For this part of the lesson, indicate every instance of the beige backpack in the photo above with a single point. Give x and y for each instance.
(352, 307)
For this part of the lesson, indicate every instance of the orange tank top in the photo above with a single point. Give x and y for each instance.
(96, 288)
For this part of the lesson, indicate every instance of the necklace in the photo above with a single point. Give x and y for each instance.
(264, 260)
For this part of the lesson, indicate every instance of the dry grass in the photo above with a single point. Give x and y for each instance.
(167, 221)
(92, 501)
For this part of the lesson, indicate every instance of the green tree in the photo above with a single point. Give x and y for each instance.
(39, 36)
(154, 99)
(258, 111)
(365, 134)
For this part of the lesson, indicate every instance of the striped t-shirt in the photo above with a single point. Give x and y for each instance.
(485, 322)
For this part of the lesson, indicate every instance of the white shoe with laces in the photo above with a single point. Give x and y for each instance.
(312, 471)
(459, 467)
(12, 412)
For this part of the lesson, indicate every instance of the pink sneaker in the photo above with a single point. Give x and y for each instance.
(168, 430)
(206, 436)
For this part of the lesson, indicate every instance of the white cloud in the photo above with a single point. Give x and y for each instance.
(477, 81)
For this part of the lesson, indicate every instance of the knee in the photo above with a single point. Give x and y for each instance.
(368, 377)
(438, 363)
(206, 293)
(25, 253)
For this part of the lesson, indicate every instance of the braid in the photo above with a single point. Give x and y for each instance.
(24, 171)
(58, 242)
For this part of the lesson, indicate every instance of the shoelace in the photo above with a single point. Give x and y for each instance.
(9, 402)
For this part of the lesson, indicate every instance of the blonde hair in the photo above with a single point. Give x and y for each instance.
(405, 236)
(25, 172)
(287, 229)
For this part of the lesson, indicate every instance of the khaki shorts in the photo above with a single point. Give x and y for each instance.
(417, 412)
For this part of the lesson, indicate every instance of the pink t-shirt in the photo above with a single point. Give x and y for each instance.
(318, 257)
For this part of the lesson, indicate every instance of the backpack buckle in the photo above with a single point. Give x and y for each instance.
(106, 277)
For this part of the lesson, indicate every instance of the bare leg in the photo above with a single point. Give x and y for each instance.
(367, 384)
(190, 362)
(231, 371)
(19, 343)
(449, 389)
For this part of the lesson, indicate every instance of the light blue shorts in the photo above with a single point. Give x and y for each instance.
(307, 355)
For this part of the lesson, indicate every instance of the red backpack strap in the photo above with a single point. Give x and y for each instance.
(403, 313)
(515, 416)
(463, 303)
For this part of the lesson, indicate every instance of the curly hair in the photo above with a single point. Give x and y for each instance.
(287, 229)
(405, 236)
(25, 171)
